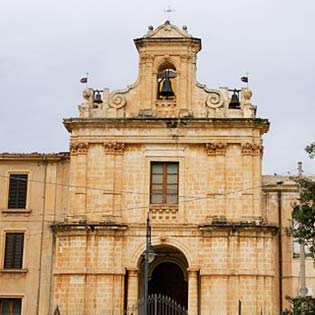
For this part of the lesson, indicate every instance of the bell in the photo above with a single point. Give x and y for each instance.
(235, 102)
(167, 88)
(97, 97)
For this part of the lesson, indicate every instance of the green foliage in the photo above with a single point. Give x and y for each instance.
(303, 229)
(300, 306)
(303, 215)
(310, 149)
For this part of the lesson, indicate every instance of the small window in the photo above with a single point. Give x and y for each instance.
(17, 191)
(13, 255)
(164, 183)
(10, 306)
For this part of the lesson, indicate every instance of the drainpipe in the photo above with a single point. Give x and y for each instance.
(280, 249)
(41, 238)
(199, 293)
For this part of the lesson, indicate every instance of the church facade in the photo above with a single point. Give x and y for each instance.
(73, 225)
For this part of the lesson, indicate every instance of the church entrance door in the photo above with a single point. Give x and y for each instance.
(167, 275)
(168, 279)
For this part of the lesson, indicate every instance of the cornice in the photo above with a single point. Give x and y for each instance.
(238, 227)
(35, 156)
(256, 123)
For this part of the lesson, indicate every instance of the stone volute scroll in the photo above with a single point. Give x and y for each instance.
(117, 100)
(214, 99)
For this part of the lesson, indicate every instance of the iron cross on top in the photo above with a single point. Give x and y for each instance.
(169, 11)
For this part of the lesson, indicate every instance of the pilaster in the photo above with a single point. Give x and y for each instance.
(78, 183)
(114, 177)
(192, 291)
(216, 153)
(132, 289)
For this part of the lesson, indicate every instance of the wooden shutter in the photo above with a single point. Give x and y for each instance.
(17, 191)
(14, 245)
(10, 306)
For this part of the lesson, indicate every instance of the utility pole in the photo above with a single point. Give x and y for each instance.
(303, 289)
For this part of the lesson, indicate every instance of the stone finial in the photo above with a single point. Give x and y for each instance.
(150, 28)
(185, 28)
(249, 110)
(87, 93)
(247, 94)
(86, 103)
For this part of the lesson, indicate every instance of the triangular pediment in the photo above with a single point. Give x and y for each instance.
(168, 30)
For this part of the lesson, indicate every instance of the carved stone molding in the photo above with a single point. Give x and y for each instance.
(117, 100)
(114, 148)
(214, 99)
(252, 149)
(218, 148)
(79, 148)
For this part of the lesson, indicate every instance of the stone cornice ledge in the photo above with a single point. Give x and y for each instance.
(35, 156)
(56, 227)
(228, 272)
(61, 272)
(14, 271)
(71, 123)
(239, 227)
(24, 212)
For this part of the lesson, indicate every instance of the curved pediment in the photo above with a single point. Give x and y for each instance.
(168, 30)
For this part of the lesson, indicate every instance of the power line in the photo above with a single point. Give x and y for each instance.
(100, 189)
(192, 199)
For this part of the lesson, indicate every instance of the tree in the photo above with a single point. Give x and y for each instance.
(310, 149)
(303, 215)
(301, 306)
(303, 230)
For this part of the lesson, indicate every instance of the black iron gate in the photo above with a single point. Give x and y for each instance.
(157, 305)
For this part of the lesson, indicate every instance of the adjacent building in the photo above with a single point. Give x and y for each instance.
(73, 225)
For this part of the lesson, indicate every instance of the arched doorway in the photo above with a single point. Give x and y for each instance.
(167, 275)
(168, 279)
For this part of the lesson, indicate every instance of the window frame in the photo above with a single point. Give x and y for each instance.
(8, 269)
(12, 298)
(164, 183)
(5, 200)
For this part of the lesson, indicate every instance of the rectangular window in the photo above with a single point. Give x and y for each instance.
(10, 306)
(17, 191)
(13, 254)
(164, 183)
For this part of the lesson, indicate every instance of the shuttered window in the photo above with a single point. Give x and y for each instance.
(164, 183)
(17, 191)
(13, 255)
(10, 306)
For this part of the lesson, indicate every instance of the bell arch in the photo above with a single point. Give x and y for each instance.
(166, 81)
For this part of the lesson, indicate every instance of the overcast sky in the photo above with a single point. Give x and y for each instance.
(47, 46)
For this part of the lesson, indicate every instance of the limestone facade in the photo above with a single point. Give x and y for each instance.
(85, 216)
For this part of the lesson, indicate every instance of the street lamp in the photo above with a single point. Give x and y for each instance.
(149, 256)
